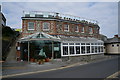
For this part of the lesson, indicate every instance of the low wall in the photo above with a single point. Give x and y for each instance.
(83, 58)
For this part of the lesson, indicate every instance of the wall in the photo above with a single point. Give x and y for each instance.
(57, 28)
(113, 49)
(83, 58)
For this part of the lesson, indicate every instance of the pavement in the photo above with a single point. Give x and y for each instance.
(20, 67)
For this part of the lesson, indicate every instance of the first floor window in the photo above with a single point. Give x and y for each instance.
(82, 30)
(66, 27)
(77, 49)
(46, 26)
(90, 30)
(30, 25)
(65, 50)
(71, 49)
(76, 29)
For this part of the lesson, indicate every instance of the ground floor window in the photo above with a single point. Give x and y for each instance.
(71, 49)
(65, 50)
(88, 49)
(77, 49)
(81, 48)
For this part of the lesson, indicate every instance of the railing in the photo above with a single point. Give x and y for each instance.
(57, 15)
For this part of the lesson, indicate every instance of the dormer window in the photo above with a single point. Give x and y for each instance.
(46, 26)
(66, 27)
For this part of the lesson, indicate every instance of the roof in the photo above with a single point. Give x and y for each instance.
(113, 40)
(39, 36)
(32, 14)
(80, 39)
(59, 38)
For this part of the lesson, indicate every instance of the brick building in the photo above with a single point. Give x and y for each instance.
(58, 24)
(64, 35)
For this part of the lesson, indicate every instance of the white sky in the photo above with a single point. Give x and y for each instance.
(106, 13)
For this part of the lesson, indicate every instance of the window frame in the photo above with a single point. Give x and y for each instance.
(33, 26)
(90, 30)
(76, 28)
(68, 27)
(43, 28)
(83, 30)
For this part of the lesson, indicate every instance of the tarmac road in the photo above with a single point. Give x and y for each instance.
(101, 69)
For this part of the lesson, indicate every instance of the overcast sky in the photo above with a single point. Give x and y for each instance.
(106, 13)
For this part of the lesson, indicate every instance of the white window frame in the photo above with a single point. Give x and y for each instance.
(67, 27)
(90, 30)
(48, 26)
(33, 26)
(77, 29)
(83, 30)
(85, 45)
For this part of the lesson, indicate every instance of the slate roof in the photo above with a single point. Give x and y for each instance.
(113, 40)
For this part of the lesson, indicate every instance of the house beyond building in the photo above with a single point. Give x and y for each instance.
(58, 36)
(112, 45)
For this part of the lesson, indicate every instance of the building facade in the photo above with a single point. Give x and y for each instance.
(58, 24)
(66, 35)
(3, 20)
(112, 45)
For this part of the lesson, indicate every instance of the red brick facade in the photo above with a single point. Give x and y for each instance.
(57, 27)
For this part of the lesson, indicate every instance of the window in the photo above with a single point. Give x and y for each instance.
(30, 25)
(65, 43)
(77, 43)
(117, 45)
(87, 43)
(82, 30)
(66, 27)
(112, 45)
(71, 49)
(65, 50)
(77, 49)
(83, 49)
(71, 43)
(96, 49)
(88, 49)
(90, 30)
(76, 29)
(82, 43)
(46, 26)
(92, 49)
(101, 48)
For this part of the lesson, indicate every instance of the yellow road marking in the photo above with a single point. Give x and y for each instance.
(12, 67)
(114, 75)
(12, 75)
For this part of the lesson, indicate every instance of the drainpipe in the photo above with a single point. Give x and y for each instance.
(52, 50)
(28, 50)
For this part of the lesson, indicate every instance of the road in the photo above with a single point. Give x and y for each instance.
(101, 69)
